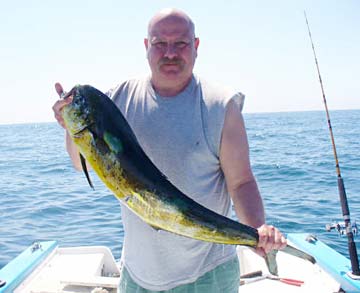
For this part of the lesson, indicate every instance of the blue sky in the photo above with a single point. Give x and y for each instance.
(258, 47)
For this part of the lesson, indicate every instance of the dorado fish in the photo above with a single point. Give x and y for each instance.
(107, 142)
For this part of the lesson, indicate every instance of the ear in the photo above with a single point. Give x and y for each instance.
(196, 45)
(146, 43)
(197, 42)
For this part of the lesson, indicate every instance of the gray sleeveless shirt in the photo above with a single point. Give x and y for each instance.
(181, 135)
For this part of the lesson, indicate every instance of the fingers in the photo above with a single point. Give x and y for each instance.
(270, 238)
(59, 89)
(59, 104)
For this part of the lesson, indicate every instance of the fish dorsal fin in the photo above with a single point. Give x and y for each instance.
(113, 142)
(83, 165)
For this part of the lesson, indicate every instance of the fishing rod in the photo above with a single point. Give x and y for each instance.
(343, 199)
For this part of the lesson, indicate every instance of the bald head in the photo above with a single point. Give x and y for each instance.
(171, 49)
(169, 15)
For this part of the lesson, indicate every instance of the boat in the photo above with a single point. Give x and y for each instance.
(46, 267)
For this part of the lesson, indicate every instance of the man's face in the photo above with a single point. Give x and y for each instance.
(171, 50)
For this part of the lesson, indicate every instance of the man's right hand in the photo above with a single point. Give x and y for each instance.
(70, 145)
(59, 104)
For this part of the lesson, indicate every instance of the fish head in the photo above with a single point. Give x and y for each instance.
(80, 113)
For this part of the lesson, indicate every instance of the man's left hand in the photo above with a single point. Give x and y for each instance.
(270, 238)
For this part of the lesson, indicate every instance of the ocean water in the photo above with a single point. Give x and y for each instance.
(43, 198)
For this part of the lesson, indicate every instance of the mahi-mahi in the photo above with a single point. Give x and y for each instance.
(106, 140)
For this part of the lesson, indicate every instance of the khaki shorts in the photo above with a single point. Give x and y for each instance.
(225, 278)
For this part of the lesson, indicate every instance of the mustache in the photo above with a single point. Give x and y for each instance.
(173, 61)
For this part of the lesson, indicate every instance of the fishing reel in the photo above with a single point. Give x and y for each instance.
(341, 228)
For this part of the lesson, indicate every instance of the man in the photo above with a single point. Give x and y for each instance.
(195, 134)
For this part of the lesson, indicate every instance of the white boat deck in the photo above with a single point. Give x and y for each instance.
(74, 270)
(93, 269)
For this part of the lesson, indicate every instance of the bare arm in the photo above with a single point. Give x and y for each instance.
(241, 183)
(73, 152)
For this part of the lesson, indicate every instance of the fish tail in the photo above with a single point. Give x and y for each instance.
(298, 253)
(270, 258)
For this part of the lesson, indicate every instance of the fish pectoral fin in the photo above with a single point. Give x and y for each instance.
(83, 165)
(157, 229)
(270, 258)
(113, 142)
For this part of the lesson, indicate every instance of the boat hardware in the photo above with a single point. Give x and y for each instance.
(311, 238)
(35, 246)
(2, 283)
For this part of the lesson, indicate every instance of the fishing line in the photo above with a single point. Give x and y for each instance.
(343, 199)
